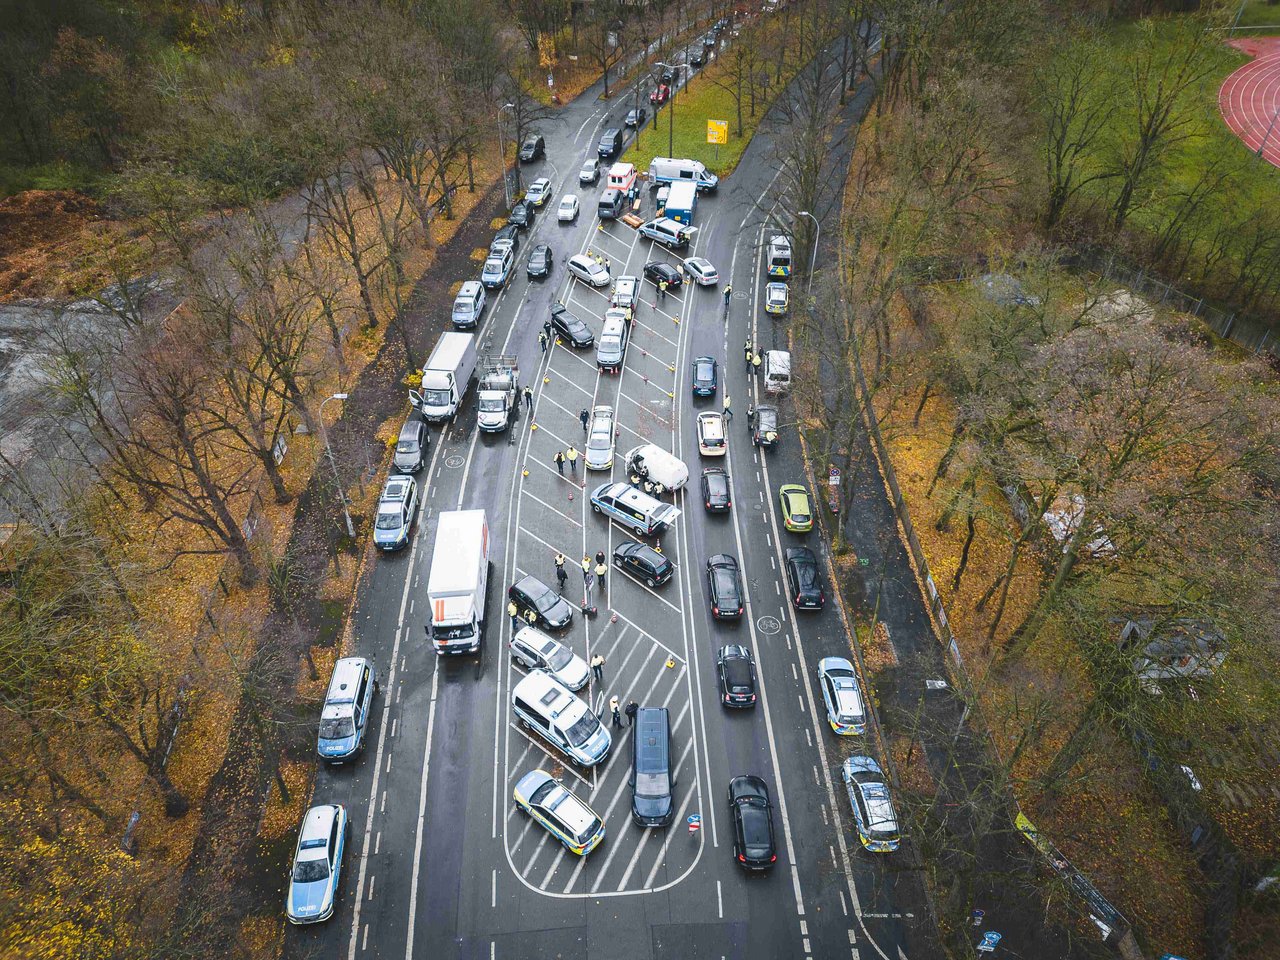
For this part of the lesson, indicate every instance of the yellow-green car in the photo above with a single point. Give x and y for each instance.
(797, 515)
(554, 806)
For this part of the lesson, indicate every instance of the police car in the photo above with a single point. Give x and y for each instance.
(553, 805)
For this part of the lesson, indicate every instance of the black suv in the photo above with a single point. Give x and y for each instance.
(610, 142)
(736, 669)
(574, 330)
(724, 585)
(715, 490)
(655, 271)
(643, 563)
(539, 262)
(522, 214)
(548, 608)
(753, 844)
(533, 148)
(804, 580)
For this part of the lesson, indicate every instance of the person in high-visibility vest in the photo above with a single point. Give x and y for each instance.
(572, 456)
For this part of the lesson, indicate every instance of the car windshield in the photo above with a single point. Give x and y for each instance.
(544, 788)
(435, 398)
(337, 728)
(388, 521)
(546, 601)
(407, 446)
(583, 730)
(310, 871)
(492, 404)
(652, 785)
(560, 658)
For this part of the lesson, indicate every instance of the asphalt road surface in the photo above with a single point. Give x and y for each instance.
(440, 863)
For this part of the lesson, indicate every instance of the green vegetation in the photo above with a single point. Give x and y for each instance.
(697, 103)
(1259, 13)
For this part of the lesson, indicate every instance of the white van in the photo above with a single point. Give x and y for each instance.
(777, 371)
(652, 462)
(671, 170)
(544, 705)
(670, 233)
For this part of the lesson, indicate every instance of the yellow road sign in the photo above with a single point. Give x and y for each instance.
(717, 131)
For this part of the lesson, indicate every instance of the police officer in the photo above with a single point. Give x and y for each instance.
(561, 575)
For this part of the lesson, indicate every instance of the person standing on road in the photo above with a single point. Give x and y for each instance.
(572, 456)
(559, 459)
(756, 360)
(728, 292)
(632, 709)
(662, 290)
(728, 413)
(613, 708)
(747, 355)
(601, 569)
(542, 340)
(597, 667)
(585, 417)
(514, 613)
(546, 328)
(751, 415)
(528, 398)
(561, 575)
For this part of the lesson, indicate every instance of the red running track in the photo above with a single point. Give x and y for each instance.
(1250, 98)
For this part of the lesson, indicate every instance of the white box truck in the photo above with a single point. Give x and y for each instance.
(458, 583)
(682, 202)
(445, 378)
(498, 398)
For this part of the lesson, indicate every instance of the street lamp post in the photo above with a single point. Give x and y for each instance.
(502, 152)
(671, 105)
(813, 257)
(351, 527)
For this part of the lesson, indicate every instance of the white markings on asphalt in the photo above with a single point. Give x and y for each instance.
(526, 493)
(372, 878)
(493, 889)
(794, 675)
(382, 806)
(411, 603)
(844, 906)
(394, 724)
(420, 830)
(388, 762)
(826, 821)
(719, 901)
(651, 639)
(377, 843)
(834, 862)
(364, 940)
(808, 738)
(816, 781)
(851, 933)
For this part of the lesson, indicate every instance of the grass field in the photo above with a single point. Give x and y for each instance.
(699, 101)
(1260, 13)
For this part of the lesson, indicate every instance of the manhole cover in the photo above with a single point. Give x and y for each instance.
(769, 625)
(454, 462)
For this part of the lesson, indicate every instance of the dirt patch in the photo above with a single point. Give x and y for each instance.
(51, 244)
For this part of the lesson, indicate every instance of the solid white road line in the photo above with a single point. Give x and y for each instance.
(420, 829)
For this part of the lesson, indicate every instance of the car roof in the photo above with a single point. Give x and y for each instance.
(802, 555)
(576, 815)
(541, 182)
(317, 822)
(470, 288)
(582, 260)
(828, 664)
(410, 429)
(397, 488)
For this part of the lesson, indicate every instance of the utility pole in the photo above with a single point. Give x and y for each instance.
(813, 257)
(342, 497)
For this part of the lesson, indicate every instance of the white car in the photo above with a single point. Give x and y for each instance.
(846, 709)
(776, 298)
(568, 211)
(590, 172)
(600, 437)
(702, 270)
(317, 864)
(588, 270)
(711, 438)
(539, 192)
(537, 651)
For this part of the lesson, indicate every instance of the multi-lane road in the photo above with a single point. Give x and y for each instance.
(440, 864)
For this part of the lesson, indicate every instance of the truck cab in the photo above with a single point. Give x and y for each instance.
(499, 393)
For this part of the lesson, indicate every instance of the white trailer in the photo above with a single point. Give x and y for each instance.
(445, 378)
(458, 583)
(499, 393)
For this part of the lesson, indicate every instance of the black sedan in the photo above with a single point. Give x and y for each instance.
(704, 376)
(736, 669)
(656, 271)
(636, 117)
(571, 327)
(764, 429)
(538, 604)
(753, 843)
(539, 262)
(508, 234)
(644, 563)
(724, 586)
(715, 490)
(696, 58)
(522, 214)
(803, 579)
